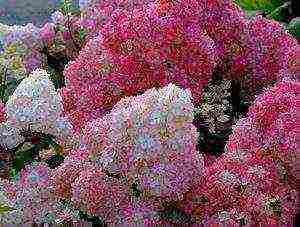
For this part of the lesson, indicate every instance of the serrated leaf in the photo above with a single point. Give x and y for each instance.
(279, 13)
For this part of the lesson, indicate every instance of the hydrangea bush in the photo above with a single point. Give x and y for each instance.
(129, 113)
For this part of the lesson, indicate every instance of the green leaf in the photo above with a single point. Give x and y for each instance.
(135, 190)
(279, 13)
(49, 140)
(7, 89)
(55, 160)
(294, 27)
(67, 6)
(266, 6)
(81, 34)
(96, 221)
(4, 208)
(24, 157)
(175, 215)
(13, 174)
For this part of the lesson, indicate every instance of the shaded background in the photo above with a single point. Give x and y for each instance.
(21, 12)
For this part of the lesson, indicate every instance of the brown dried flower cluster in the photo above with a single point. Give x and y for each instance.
(216, 104)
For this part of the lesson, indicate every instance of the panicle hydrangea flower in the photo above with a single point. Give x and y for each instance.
(47, 32)
(97, 194)
(264, 127)
(32, 195)
(68, 171)
(164, 46)
(28, 35)
(34, 102)
(250, 154)
(128, 60)
(277, 207)
(95, 13)
(57, 17)
(87, 68)
(272, 46)
(272, 102)
(36, 106)
(227, 184)
(255, 154)
(151, 139)
(2, 112)
(222, 20)
(25, 42)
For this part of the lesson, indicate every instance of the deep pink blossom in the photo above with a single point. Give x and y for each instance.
(2, 112)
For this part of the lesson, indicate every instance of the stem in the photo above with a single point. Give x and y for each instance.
(3, 83)
(73, 40)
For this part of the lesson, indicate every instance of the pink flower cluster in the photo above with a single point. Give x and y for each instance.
(88, 187)
(30, 197)
(130, 97)
(272, 47)
(177, 42)
(148, 140)
(95, 13)
(126, 60)
(257, 172)
(2, 112)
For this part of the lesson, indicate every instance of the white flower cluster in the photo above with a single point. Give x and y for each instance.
(34, 106)
(151, 138)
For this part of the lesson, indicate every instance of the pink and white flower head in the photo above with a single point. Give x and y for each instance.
(47, 32)
(57, 18)
(98, 194)
(152, 139)
(68, 171)
(36, 175)
(34, 103)
(31, 195)
(10, 135)
(2, 112)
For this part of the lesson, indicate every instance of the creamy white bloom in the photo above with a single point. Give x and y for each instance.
(9, 135)
(34, 102)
